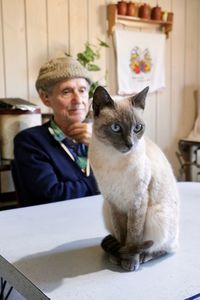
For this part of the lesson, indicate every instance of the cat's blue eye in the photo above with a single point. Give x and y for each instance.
(138, 127)
(115, 127)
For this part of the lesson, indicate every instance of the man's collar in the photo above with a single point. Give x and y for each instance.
(58, 134)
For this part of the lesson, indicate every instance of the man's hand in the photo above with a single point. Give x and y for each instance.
(81, 132)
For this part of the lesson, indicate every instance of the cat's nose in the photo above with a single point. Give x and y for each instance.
(129, 145)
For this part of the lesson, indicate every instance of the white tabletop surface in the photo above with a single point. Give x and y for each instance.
(56, 246)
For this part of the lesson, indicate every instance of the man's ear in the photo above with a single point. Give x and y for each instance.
(44, 97)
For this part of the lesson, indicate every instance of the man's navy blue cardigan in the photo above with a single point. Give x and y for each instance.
(43, 172)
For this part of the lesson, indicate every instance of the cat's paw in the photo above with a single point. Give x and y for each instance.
(130, 260)
(130, 250)
(145, 256)
(110, 245)
(132, 256)
(132, 263)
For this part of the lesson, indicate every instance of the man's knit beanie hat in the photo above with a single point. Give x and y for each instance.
(58, 69)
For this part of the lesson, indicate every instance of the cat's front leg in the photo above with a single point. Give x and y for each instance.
(134, 246)
(135, 223)
(115, 221)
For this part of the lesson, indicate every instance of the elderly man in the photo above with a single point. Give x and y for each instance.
(51, 160)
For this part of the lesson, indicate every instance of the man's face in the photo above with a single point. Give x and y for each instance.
(69, 100)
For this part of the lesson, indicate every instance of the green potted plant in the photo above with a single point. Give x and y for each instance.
(88, 58)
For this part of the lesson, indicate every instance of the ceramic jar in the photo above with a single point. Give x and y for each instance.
(122, 8)
(131, 9)
(156, 13)
(170, 17)
(144, 11)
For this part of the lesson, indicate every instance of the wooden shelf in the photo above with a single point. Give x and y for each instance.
(114, 18)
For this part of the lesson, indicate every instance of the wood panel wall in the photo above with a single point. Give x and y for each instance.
(33, 31)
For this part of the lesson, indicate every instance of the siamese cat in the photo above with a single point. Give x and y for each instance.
(141, 201)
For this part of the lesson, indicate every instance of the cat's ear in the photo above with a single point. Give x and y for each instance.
(101, 99)
(139, 99)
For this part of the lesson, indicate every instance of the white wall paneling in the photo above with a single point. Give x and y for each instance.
(15, 48)
(58, 27)
(97, 12)
(2, 68)
(164, 105)
(78, 18)
(36, 40)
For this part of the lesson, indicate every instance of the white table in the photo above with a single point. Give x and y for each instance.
(56, 249)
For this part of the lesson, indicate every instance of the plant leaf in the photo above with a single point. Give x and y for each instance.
(81, 59)
(103, 44)
(93, 67)
(93, 87)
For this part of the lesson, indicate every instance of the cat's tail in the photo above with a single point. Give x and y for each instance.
(110, 245)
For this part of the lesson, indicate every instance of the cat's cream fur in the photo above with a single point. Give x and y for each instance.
(139, 188)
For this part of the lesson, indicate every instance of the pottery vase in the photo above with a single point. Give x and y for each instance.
(122, 8)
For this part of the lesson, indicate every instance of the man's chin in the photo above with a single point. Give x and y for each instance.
(77, 118)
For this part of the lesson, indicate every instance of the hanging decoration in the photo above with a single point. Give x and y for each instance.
(140, 61)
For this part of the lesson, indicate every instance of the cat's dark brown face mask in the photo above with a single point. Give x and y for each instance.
(118, 124)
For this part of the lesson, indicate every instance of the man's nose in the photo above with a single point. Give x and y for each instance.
(76, 96)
